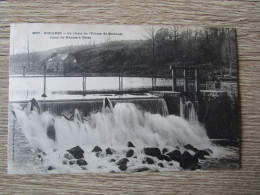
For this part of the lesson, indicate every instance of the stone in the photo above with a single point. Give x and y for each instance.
(97, 149)
(208, 150)
(76, 152)
(72, 162)
(141, 169)
(109, 151)
(68, 156)
(148, 160)
(81, 162)
(130, 145)
(190, 147)
(50, 168)
(65, 162)
(200, 154)
(129, 153)
(188, 161)
(164, 157)
(155, 152)
(165, 150)
(51, 133)
(122, 161)
(174, 155)
(122, 167)
(112, 160)
(160, 165)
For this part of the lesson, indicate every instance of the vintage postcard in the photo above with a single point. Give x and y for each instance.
(122, 98)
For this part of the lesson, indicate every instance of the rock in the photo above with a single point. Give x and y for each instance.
(186, 156)
(148, 160)
(177, 147)
(112, 160)
(165, 150)
(76, 152)
(174, 155)
(72, 162)
(160, 165)
(68, 156)
(130, 145)
(83, 168)
(155, 152)
(51, 133)
(81, 162)
(201, 153)
(190, 147)
(122, 167)
(188, 161)
(122, 161)
(129, 153)
(208, 150)
(65, 162)
(164, 157)
(194, 167)
(170, 164)
(141, 169)
(50, 168)
(109, 151)
(97, 149)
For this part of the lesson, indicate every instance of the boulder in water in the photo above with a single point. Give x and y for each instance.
(68, 156)
(51, 133)
(200, 154)
(122, 167)
(109, 151)
(97, 149)
(50, 168)
(141, 169)
(122, 161)
(129, 153)
(72, 162)
(81, 162)
(190, 147)
(174, 155)
(208, 150)
(155, 152)
(187, 161)
(164, 157)
(148, 160)
(76, 152)
(165, 150)
(160, 165)
(112, 160)
(130, 145)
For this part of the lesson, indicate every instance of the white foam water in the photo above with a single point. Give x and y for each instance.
(112, 127)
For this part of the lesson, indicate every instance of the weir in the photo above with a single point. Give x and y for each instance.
(154, 105)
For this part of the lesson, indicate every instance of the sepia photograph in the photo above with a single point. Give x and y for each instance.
(89, 98)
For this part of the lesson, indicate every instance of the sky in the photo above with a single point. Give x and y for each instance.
(42, 37)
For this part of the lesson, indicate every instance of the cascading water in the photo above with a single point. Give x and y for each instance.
(187, 110)
(112, 126)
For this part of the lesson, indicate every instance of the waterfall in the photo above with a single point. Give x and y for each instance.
(152, 105)
(188, 110)
(124, 123)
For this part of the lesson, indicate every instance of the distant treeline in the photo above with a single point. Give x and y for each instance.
(212, 49)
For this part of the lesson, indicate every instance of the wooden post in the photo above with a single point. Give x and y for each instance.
(173, 79)
(196, 80)
(120, 84)
(185, 81)
(44, 82)
(84, 84)
(23, 71)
